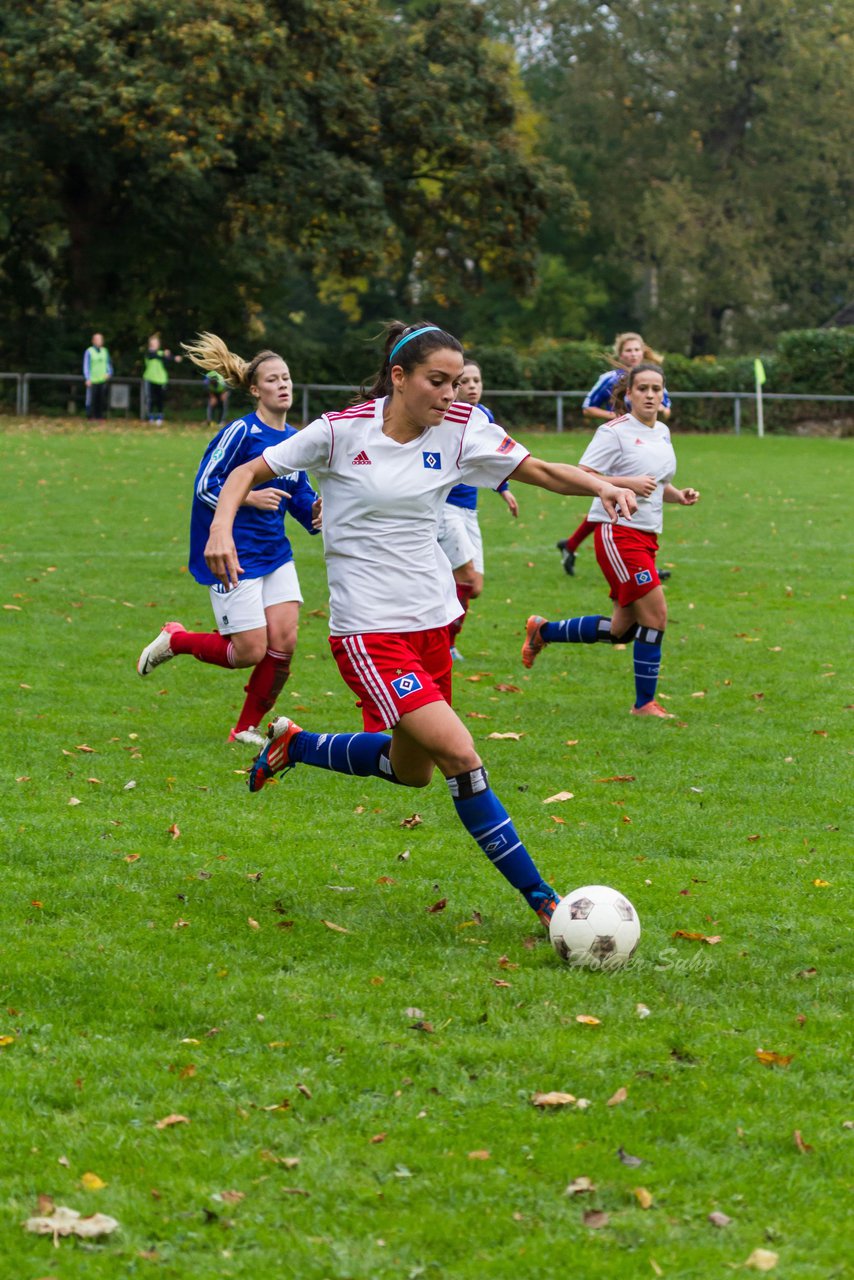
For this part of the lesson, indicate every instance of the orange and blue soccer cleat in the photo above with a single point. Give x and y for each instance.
(534, 643)
(653, 709)
(275, 757)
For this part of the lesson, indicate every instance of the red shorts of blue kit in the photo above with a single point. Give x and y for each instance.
(394, 672)
(627, 559)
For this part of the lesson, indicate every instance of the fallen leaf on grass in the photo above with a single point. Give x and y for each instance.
(232, 1197)
(762, 1260)
(644, 1197)
(437, 906)
(337, 928)
(422, 1025)
(507, 688)
(478, 676)
(478, 1155)
(753, 839)
(572, 742)
(129, 786)
(558, 796)
(174, 831)
(560, 821)
(501, 737)
(89, 750)
(412, 1012)
(618, 777)
(697, 937)
(504, 962)
(386, 880)
(477, 715)
(377, 1138)
(73, 800)
(68, 1222)
(580, 1187)
(554, 1099)
(618, 1097)
(719, 1219)
(253, 924)
(500, 982)
(641, 1010)
(632, 1161)
(770, 1059)
(168, 1121)
(588, 1020)
(803, 1147)
(92, 1182)
(821, 884)
(595, 1219)
(304, 1090)
(414, 821)
(294, 1191)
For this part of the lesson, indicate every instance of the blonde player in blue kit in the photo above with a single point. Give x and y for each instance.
(385, 468)
(633, 442)
(257, 621)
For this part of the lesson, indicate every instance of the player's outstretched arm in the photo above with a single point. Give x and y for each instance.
(684, 497)
(561, 477)
(220, 552)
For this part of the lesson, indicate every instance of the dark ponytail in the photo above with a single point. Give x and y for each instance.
(413, 350)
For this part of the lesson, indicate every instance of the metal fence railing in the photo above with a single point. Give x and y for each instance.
(121, 393)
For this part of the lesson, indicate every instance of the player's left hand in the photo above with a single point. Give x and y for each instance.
(689, 497)
(618, 502)
(317, 514)
(511, 502)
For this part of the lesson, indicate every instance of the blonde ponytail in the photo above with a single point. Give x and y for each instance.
(210, 353)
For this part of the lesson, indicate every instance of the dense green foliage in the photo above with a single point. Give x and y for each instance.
(300, 170)
(419, 1151)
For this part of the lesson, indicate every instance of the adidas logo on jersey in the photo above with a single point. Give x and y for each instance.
(361, 460)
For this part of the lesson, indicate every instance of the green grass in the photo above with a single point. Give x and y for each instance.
(119, 1018)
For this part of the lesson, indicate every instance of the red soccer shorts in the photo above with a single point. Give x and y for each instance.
(627, 559)
(394, 672)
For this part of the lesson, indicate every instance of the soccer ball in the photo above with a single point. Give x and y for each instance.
(595, 928)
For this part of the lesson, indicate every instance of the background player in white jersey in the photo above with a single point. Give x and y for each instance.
(637, 441)
(385, 468)
(628, 351)
(257, 621)
(459, 531)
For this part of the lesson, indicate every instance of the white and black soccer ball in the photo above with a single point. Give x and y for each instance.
(595, 927)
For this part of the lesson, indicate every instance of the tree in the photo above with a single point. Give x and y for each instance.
(172, 166)
(711, 144)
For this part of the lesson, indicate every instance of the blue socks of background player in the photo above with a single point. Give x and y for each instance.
(647, 661)
(488, 822)
(592, 629)
(363, 754)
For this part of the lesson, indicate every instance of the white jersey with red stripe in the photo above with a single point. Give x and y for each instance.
(382, 501)
(626, 447)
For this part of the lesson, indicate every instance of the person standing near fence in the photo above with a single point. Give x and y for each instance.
(626, 550)
(257, 621)
(155, 377)
(97, 371)
(385, 468)
(628, 351)
(459, 530)
(217, 396)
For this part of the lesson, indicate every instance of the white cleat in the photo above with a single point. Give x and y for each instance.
(249, 737)
(160, 649)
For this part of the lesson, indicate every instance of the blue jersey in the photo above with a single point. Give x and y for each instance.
(465, 495)
(259, 536)
(601, 395)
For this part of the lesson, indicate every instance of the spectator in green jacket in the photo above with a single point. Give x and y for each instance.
(155, 377)
(97, 371)
(217, 389)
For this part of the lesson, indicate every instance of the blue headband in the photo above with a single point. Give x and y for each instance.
(416, 333)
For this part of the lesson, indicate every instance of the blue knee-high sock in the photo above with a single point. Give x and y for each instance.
(593, 629)
(363, 754)
(647, 661)
(487, 821)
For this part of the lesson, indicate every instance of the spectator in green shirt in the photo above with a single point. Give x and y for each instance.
(155, 377)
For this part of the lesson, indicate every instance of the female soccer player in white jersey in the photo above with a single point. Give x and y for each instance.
(633, 442)
(385, 468)
(257, 621)
(628, 351)
(459, 531)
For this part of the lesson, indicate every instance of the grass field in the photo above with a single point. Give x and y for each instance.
(357, 1103)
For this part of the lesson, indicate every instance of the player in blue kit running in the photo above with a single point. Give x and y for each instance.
(459, 531)
(256, 620)
(385, 468)
(636, 442)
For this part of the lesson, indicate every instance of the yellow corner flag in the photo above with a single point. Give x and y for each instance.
(759, 371)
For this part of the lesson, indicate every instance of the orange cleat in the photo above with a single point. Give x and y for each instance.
(534, 644)
(275, 758)
(653, 709)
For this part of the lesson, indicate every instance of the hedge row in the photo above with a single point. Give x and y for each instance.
(808, 361)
